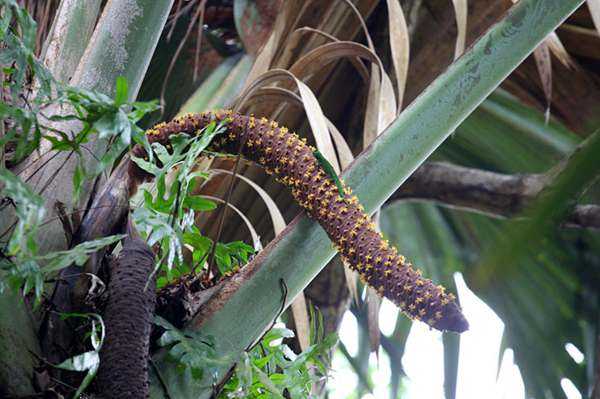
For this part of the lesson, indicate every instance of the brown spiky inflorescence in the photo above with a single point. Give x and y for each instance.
(292, 161)
(123, 371)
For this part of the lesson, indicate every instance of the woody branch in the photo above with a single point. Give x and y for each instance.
(494, 194)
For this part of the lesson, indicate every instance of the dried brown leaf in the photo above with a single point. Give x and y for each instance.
(363, 25)
(319, 57)
(356, 62)
(560, 52)
(544, 67)
(267, 54)
(314, 113)
(274, 211)
(301, 321)
(255, 237)
(460, 10)
(400, 46)
(594, 7)
(373, 305)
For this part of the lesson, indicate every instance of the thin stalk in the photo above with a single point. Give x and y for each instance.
(363, 377)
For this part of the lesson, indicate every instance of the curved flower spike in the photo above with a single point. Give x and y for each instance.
(343, 218)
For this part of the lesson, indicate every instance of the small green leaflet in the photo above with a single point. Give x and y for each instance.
(330, 171)
(190, 350)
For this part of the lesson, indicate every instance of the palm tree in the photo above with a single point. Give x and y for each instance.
(537, 270)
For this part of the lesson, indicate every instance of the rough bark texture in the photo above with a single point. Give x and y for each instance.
(128, 316)
(343, 218)
(491, 192)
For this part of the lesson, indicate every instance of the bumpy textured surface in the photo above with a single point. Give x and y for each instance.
(128, 316)
(293, 162)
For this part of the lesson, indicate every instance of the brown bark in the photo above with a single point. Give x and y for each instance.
(491, 193)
